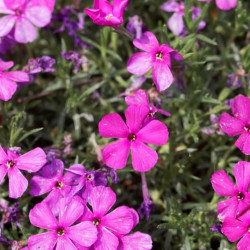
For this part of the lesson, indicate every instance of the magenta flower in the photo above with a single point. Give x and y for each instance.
(239, 124)
(11, 163)
(176, 22)
(133, 136)
(223, 4)
(8, 80)
(238, 228)
(135, 241)
(118, 222)
(140, 97)
(239, 200)
(104, 14)
(23, 15)
(156, 56)
(61, 234)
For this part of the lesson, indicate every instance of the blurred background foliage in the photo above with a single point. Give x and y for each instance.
(63, 103)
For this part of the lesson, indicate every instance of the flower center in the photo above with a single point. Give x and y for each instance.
(159, 55)
(10, 164)
(247, 128)
(150, 114)
(18, 12)
(59, 185)
(60, 231)
(108, 16)
(96, 222)
(249, 229)
(240, 196)
(131, 137)
(89, 177)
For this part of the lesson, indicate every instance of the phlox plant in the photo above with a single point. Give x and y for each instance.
(124, 125)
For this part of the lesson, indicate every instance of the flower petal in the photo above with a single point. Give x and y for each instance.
(53, 200)
(140, 97)
(222, 184)
(45, 241)
(155, 132)
(120, 220)
(5, 65)
(143, 157)
(106, 240)
(24, 31)
(7, 89)
(3, 156)
(136, 241)
(41, 216)
(64, 243)
(4, 9)
(242, 175)
(176, 24)
(101, 199)
(115, 155)
(32, 161)
(70, 210)
(119, 6)
(84, 233)
(227, 208)
(17, 183)
(40, 185)
(3, 172)
(17, 76)
(170, 6)
(113, 126)
(39, 15)
(148, 42)
(226, 4)
(6, 24)
(230, 125)
(243, 143)
(233, 229)
(241, 108)
(244, 243)
(162, 75)
(140, 63)
(135, 115)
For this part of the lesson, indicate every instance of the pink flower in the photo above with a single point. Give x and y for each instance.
(23, 14)
(61, 234)
(133, 136)
(239, 200)
(8, 80)
(50, 179)
(135, 241)
(104, 14)
(140, 97)
(175, 22)
(11, 163)
(223, 4)
(238, 228)
(109, 225)
(156, 56)
(239, 124)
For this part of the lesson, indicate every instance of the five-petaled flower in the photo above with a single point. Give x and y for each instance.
(156, 56)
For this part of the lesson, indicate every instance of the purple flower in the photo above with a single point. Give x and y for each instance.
(175, 22)
(73, 57)
(215, 126)
(104, 14)
(40, 64)
(118, 222)
(135, 26)
(8, 80)
(11, 163)
(235, 80)
(154, 56)
(6, 43)
(216, 228)
(61, 234)
(22, 15)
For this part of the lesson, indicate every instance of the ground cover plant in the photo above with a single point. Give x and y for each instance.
(124, 124)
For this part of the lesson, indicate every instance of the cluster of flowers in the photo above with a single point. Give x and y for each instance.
(234, 213)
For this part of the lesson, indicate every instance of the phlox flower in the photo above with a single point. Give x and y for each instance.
(8, 80)
(11, 164)
(239, 200)
(154, 56)
(135, 26)
(215, 126)
(61, 234)
(176, 22)
(109, 225)
(133, 136)
(238, 228)
(104, 14)
(239, 124)
(50, 179)
(223, 4)
(23, 15)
